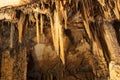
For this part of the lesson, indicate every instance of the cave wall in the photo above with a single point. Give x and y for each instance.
(59, 41)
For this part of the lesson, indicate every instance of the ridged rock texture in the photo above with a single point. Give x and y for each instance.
(60, 40)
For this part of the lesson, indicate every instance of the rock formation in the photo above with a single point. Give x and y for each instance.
(59, 40)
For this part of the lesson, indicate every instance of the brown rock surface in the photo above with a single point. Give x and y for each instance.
(60, 40)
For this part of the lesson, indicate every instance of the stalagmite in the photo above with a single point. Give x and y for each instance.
(19, 69)
(6, 66)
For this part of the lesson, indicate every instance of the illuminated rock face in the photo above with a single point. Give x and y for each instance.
(114, 71)
(45, 56)
(13, 3)
(9, 3)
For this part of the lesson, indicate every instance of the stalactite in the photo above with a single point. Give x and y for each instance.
(59, 31)
(37, 28)
(41, 28)
(20, 26)
(76, 4)
(107, 8)
(86, 24)
(63, 12)
(118, 4)
(106, 12)
(99, 55)
(111, 41)
(41, 24)
(70, 1)
(62, 54)
(65, 17)
(53, 32)
(102, 2)
(56, 33)
(12, 35)
(116, 10)
(68, 40)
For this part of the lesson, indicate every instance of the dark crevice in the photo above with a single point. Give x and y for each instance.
(116, 25)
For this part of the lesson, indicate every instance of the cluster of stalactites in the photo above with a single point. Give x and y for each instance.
(58, 11)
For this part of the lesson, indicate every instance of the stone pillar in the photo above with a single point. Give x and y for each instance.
(6, 66)
(20, 65)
